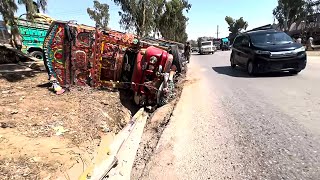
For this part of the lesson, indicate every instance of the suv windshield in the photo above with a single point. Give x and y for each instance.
(271, 38)
(206, 43)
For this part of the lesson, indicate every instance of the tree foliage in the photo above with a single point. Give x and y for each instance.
(173, 23)
(236, 25)
(289, 11)
(136, 15)
(158, 9)
(193, 43)
(9, 7)
(100, 14)
(146, 16)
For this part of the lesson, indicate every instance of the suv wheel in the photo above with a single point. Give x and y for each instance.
(251, 68)
(233, 65)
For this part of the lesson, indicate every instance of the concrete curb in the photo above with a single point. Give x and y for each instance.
(112, 148)
(128, 151)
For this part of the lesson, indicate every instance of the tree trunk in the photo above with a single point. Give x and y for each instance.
(286, 24)
(143, 18)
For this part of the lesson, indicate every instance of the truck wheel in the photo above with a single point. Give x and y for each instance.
(176, 58)
(37, 54)
(164, 97)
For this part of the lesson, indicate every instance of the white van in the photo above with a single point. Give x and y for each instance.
(207, 47)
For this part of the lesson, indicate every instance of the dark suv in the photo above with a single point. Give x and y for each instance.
(267, 50)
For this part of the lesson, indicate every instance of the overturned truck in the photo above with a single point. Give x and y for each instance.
(81, 55)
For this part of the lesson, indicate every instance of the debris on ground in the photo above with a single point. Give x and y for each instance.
(43, 135)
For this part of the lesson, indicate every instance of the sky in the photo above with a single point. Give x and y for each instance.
(204, 16)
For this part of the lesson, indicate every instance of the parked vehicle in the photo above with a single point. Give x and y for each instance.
(194, 49)
(207, 47)
(82, 55)
(32, 34)
(225, 44)
(217, 43)
(265, 50)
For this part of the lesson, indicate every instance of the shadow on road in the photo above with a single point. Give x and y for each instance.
(241, 72)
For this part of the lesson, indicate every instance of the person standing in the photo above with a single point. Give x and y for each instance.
(187, 51)
(299, 40)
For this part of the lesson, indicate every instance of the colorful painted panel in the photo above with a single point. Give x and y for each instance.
(82, 55)
(54, 54)
(110, 48)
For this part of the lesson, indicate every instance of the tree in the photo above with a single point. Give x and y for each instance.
(146, 16)
(289, 11)
(158, 9)
(100, 14)
(136, 15)
(9, 7)
(236, 26)
(193, 43)
(173, 23)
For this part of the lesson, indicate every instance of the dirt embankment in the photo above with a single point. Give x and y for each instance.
(313, 53)
(43, 135)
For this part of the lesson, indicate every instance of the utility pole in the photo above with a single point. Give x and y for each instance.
(218, 32)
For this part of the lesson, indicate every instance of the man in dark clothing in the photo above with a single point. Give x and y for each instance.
(187, 51)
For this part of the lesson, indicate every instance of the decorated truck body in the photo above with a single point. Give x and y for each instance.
(82, 55)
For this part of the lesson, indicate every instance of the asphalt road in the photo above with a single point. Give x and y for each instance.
(228, 125)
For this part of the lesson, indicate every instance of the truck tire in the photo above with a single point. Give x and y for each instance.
(177, 61)
(37, 54)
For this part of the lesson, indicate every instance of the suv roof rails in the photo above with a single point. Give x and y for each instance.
(265, 27)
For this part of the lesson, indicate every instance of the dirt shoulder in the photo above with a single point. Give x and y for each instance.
(313, 53)
(43, 135)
